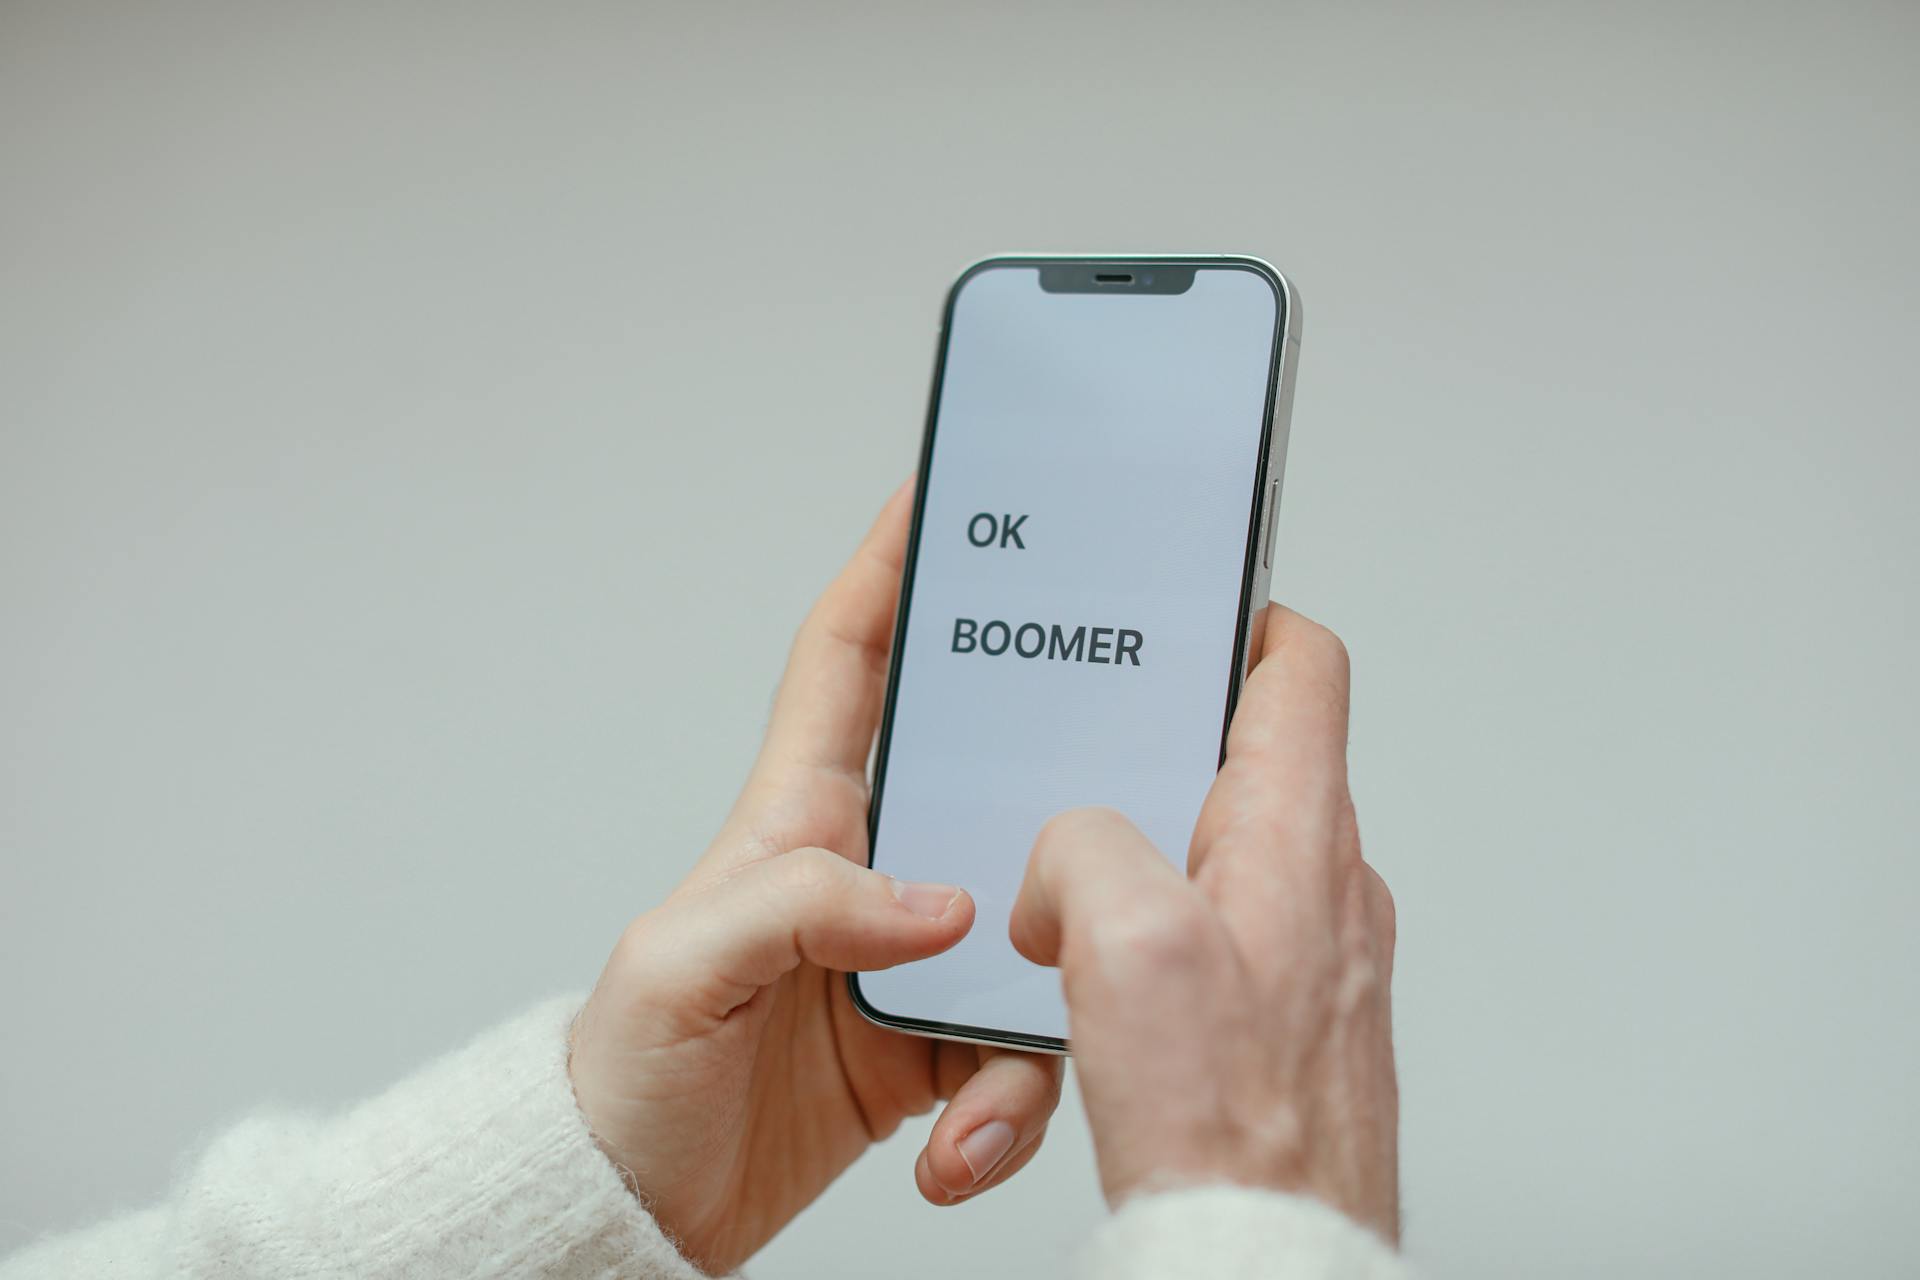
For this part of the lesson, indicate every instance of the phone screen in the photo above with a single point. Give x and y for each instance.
(1074, 599)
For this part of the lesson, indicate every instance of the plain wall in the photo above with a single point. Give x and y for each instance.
(424, 425)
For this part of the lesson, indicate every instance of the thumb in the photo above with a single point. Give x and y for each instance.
(726, 939)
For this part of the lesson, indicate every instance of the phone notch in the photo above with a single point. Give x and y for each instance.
(1116, 277)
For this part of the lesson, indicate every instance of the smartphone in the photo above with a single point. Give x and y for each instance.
(1090, 553)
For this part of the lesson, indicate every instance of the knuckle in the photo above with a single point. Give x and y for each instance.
(1090, 820)
(1346, 823)
(811, 871)
(1161, 935)
(1359, 986)
(1076, 827)
(1386, 913)
(1383, 896)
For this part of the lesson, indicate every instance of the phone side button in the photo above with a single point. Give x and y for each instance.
(1273, 523)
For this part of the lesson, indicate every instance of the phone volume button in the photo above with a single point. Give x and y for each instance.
(1272, 523)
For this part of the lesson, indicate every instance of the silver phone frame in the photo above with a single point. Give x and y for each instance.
(1256, 574)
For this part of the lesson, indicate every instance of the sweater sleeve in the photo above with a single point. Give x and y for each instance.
(1235, 1233)
(480, 1165)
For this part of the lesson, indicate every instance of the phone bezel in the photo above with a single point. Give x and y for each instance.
(1271, 460)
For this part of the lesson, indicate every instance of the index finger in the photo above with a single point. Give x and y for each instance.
(829, 700)
(1297, 700)
(1271, 821)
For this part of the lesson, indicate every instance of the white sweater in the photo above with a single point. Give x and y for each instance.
(481, 1165)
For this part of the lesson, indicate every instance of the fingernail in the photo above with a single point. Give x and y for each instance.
(929, 900)
(983, 1148)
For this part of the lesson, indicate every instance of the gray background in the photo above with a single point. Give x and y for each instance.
(422, 428)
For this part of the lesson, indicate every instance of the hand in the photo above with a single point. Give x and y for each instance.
(720, 1060)
(1232, 1025)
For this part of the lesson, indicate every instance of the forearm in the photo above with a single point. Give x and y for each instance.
(479, 1165)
